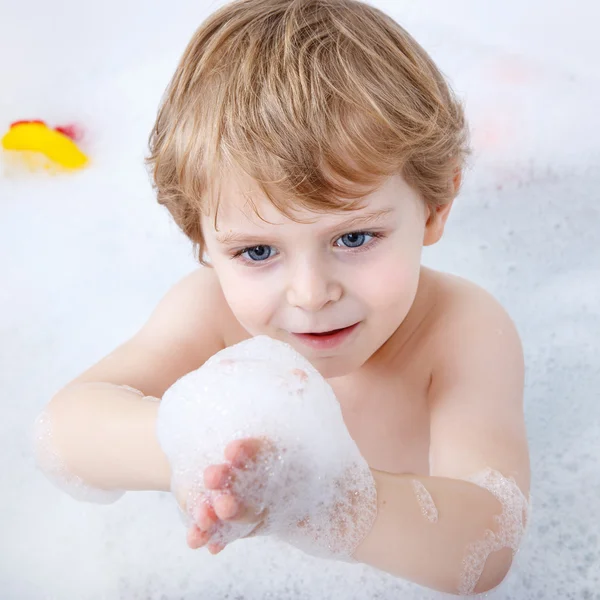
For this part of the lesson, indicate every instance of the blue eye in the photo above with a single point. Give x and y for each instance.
(252, 255)
(258, 253)
(355, 239)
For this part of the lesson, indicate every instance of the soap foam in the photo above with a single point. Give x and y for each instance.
(316, 490)
(428, 508)
(511, 526)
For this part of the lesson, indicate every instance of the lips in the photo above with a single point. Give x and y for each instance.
(322, 333)
(327, 339)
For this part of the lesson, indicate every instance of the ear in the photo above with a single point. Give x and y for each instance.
(438, 215)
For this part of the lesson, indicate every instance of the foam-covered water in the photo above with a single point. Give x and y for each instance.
(84, 259)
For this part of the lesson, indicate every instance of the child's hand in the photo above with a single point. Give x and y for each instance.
(238, 501)
(296, 475)
(222, 504)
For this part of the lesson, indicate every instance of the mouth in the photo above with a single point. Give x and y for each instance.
(323, 340)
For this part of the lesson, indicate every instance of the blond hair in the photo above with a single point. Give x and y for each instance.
(318, 101)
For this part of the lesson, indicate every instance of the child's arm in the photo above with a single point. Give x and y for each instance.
(476, 423)
(104, 433)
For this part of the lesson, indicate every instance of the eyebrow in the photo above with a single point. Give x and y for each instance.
(230, 237)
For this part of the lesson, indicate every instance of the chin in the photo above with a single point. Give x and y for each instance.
(335, 366)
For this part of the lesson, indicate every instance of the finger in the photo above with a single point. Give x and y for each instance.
(206, 518)
(227, 507)
(239, 452)
(215, 548)
(197, 538)
(217, 476)
(230, 509)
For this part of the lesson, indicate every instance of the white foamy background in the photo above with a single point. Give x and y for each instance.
(84, 258)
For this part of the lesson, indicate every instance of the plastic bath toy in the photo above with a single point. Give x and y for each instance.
(57, 145)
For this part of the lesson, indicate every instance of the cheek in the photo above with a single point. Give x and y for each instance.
(247, 296)
(393, 284)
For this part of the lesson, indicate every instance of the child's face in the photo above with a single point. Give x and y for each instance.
(282, 278)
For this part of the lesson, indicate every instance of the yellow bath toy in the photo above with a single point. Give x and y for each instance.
(58, 145)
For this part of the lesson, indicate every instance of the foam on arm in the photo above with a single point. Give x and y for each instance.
(467, 548)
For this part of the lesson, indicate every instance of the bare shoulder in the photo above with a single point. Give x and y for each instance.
(477, 385)
(474, 337)
(194, 307)
(184, 330)
(467, 317)
(459, 297)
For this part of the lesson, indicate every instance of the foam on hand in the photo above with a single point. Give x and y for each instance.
(315, 488)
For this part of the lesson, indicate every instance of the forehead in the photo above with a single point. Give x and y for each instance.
(240, 202)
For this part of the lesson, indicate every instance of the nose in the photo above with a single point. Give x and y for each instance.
(311, 287)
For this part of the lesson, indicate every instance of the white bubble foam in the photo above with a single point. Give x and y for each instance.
(511, 526)
(428, 508)
(316, 489)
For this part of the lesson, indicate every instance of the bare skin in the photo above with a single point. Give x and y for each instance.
(430, 383)
(392, 433)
